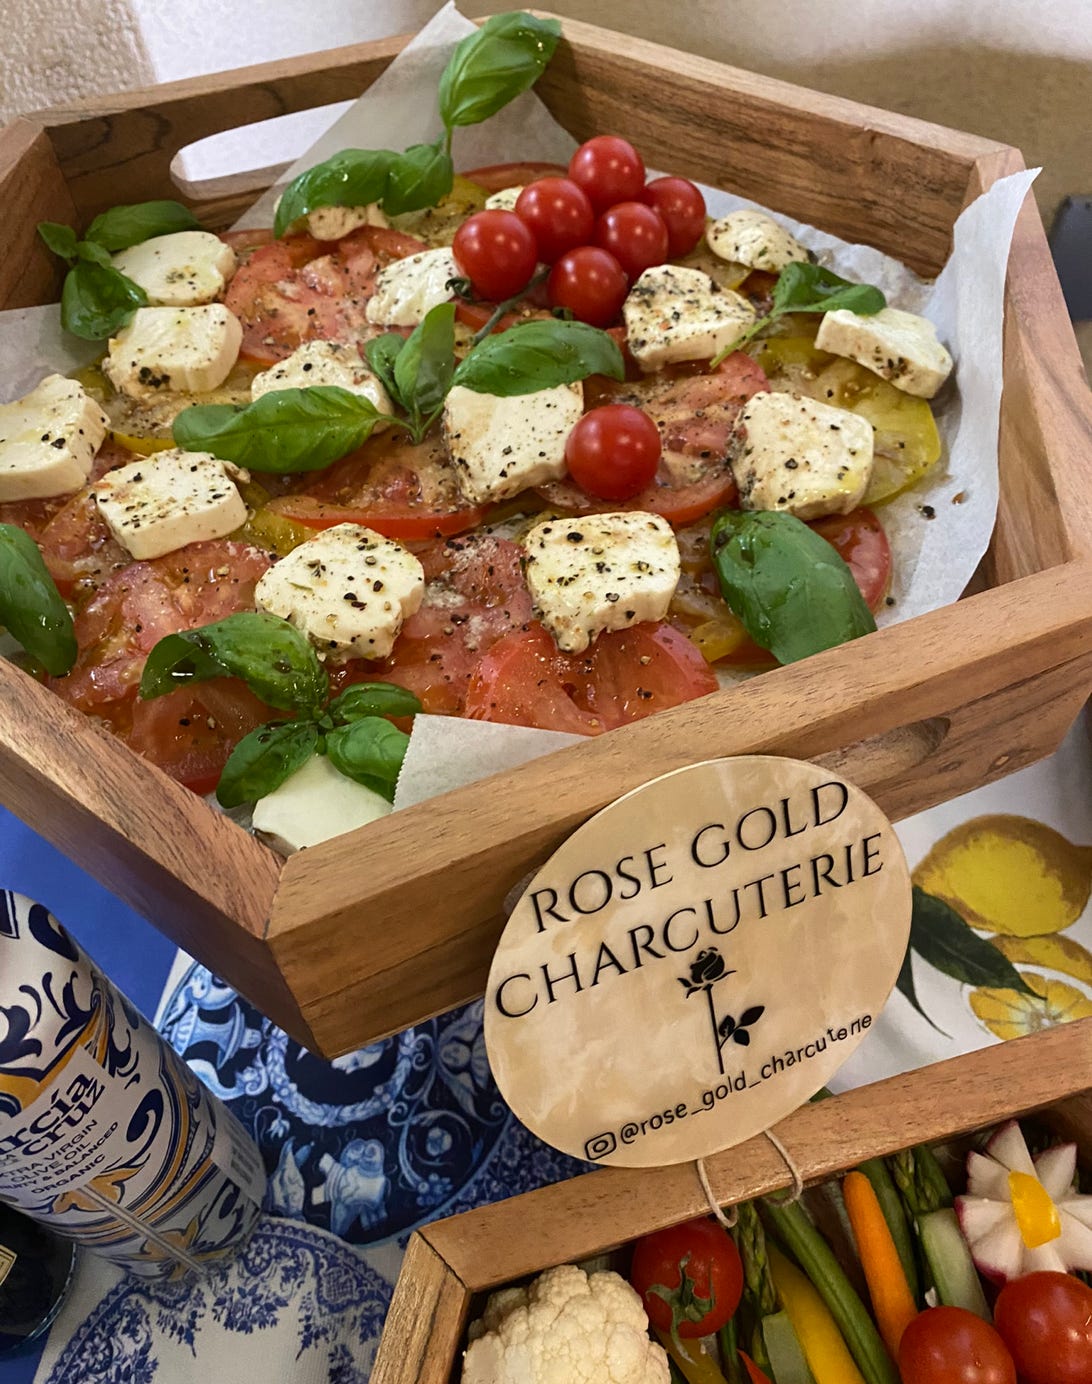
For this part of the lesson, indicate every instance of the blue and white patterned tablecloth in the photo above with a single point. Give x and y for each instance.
(363, 1149)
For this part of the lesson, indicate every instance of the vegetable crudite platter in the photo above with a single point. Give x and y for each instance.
(601, 388)
(881, 1272)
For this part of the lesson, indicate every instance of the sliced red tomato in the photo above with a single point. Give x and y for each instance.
(525, 680)
(862, 544)
(190, 735)
(135, 607)
(475, 595)
(496, 176)
(301, 289)
(695, 413)
(400, 488)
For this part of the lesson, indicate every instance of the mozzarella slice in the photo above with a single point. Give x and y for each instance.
(324, 363)
(174, 349)
(504, 200)
(898, 346)
(332, 223)
(754, 239)
(164, 501)
(801, 456)
(315, 804)
(600, 572)
(179, 270)
(674, 313)
(348, 590)
(500, 446)
(48, 440)
(406, 290)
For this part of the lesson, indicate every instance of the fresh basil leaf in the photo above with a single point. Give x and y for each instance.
(492, 67)
(284, 430)
(418, 178)
(274, 660)
(369, 751)
(91, 253)
(97, 301)
(121, 227)
(792, 591)
(908, 989)
(539, 355)
(351, 178)
(62, 240)
(381, 352)
(423, 368)
(372, 699)
(946, 941)
(262, 760)
(30, 605)
(805, 287)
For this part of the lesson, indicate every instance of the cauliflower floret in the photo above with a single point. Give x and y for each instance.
(565, 1328)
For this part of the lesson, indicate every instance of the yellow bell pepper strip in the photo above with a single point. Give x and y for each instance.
(827, 1355)
(892, 1302)
(793, 1227)
(1036, 1215)
(697, 1367)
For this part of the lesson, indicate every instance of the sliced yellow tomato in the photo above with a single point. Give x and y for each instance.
(716, 639)
(267, 529)
(907, 442)
(144, 425)
(437, 225)
(726, 273)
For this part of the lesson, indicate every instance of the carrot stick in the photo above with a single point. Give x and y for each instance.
(892, 1301)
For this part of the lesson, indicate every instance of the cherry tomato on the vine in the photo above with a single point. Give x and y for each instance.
(680, 203)
(613, 451)
(949, 1345)
(698, 1265)
(634, 234)
(1046, 1322)
(590, 283)
(497, 253)
(609, 170)
(559, 215)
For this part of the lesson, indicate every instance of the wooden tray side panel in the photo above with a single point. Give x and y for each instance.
(599, 1211)
(32, 189)
(426, 1319)
(470, 847)
(763, 139)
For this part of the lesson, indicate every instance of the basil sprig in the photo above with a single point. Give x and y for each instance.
(487, 70)
(792, 591)
(281, 668)
(97, 300)
(284, 430)
(803, 287)
(290, 430)
(30, 605)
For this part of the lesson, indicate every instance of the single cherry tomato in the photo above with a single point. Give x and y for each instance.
(697, 1254)
(1046, 1322)
(497, 253)
(680, 203)
(613, 451)
(949, 1345)
(590, 283)
(635, 235)
(609, 170)
(559, 215)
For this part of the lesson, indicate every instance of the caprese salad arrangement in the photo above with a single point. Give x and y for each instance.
(534, 444)
(879, 1279)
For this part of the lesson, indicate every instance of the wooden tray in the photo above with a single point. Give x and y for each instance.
(361, 936)
(450, 1261)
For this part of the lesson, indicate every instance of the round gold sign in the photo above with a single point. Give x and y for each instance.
(697, 960)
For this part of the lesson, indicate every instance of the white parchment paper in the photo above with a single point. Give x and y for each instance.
(934, 557)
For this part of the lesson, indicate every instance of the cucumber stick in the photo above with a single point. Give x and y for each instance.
(786, 1357)
(954, 1275)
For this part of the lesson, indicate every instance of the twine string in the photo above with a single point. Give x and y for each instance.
(728, 1218)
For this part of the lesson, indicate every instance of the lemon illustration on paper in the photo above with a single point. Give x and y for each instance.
(1024, 883)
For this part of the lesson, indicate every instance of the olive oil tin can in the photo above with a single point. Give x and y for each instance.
(105, 1133)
